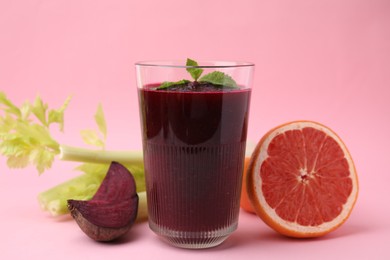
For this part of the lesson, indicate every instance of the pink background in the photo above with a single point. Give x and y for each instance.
(325, 60)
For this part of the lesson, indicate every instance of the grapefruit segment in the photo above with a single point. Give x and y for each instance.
(301, 179)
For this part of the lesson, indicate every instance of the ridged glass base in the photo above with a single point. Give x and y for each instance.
(193, 240)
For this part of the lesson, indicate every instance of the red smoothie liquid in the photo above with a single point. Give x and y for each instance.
(194, 145)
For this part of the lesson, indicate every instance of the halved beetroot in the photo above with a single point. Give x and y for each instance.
(112, 210)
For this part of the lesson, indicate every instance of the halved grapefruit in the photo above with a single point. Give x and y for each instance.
(301, 180)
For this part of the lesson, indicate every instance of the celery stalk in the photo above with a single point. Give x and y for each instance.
(76, 154)
(83, 187)
(142, 214)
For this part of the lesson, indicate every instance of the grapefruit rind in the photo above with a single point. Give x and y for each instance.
(267, 213)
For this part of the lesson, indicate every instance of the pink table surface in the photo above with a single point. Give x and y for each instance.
(325, 60)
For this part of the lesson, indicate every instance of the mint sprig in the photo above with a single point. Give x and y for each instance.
(168, 84)
(219, 78)
(216, 78)
(195, 72)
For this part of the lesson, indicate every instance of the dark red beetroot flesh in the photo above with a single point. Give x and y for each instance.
(112, 210)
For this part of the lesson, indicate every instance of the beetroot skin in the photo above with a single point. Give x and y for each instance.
(112, 210)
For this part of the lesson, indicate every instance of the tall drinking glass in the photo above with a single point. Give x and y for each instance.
(194, 137)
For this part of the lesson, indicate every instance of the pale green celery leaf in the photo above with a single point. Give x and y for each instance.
(18, 161)
(219, 78)
(11, 108)
(23, 140)
(13, 147)
(39, 110)
(101, 121)
(7, 123)
(42, 159)
(37, 134)
(27, 146)
(25, 111)
(90, 137)
(195, 72)
(57, 115)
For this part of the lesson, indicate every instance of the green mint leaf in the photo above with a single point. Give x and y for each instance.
(219, 78)
(195, 72)
(168, 84)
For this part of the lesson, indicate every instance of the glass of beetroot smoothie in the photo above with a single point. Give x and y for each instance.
(194, 120)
